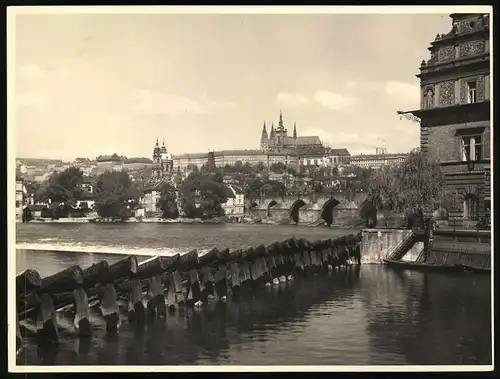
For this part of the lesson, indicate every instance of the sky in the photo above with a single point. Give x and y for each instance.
(92, 84)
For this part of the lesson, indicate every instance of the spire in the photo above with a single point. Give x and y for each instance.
(272, 130)
(264, 136)
(157, 144)
(163, 142)
(294, 130)
(280, 124)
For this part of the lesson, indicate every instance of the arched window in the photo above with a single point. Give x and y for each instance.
(471, 207)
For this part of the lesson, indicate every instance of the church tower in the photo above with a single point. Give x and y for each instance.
(166, 162)
(264, 139)
(157, 166)
(294, 130)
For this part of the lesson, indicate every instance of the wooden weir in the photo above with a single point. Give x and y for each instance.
(148, 290)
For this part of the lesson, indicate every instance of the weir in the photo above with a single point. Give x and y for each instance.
(149, 290)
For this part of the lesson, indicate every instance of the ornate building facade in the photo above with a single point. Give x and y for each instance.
(162, 173)
(162, 163)
(455, 109)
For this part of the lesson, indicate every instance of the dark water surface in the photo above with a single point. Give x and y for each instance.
(370, 316)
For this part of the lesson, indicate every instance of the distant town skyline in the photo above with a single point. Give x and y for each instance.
(96, 84)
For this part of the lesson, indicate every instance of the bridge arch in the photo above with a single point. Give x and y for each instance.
(271, 204)
(327, 210)
(368, 212)
(294, 210)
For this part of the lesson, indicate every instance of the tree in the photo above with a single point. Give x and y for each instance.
(291, 171)
(116, 195)
(61, 186)
(261, 167)
(203, 195)
(278, 167)
(168, 201)
(415, 186)
(238, 166)
(318, 187)
(192, 168)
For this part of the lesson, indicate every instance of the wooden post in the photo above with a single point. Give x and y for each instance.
(109, 308)
(82, 313)
(48, 332)
(136, 307)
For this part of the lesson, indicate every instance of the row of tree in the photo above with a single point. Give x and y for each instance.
(117, 196)
(201, 196)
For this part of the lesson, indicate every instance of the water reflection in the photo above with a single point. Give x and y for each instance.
(432, 318)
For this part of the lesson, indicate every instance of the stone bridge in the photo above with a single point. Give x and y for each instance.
(339, 208)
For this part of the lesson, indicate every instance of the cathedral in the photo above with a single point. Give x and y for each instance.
(162, 163)
(278, 139)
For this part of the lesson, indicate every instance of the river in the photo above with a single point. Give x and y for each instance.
(368, 316)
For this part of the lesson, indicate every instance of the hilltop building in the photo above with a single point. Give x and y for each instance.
(455, 110)
(275, 147)
(108, 163)
(377, 160)
(279, 140)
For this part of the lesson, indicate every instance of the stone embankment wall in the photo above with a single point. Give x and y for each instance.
(378, 244)
(469, 249)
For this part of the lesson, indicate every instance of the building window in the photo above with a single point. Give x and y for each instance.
(471, 148)
(472, 91)
(471, 207)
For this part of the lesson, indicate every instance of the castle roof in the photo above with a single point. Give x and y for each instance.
(340, 152)
(303, 140)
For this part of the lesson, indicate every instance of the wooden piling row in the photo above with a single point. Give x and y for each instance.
(161, 284)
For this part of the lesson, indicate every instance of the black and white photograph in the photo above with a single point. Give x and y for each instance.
(235, 188)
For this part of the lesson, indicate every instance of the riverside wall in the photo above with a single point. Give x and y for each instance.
(460, 248)
(378, 244)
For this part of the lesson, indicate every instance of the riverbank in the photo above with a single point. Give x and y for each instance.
(459, 250)
(185, 221)
(98, 220)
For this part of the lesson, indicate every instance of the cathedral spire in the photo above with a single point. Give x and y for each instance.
(157, 144)
(294, 130)
(280, 127)
(272, 130)
(264, 139)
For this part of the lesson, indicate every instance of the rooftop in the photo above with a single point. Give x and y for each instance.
(379, 156)
(339, 152)
(303, 140)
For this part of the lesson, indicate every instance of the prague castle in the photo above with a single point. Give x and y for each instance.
(275, 147)
(278, 139)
